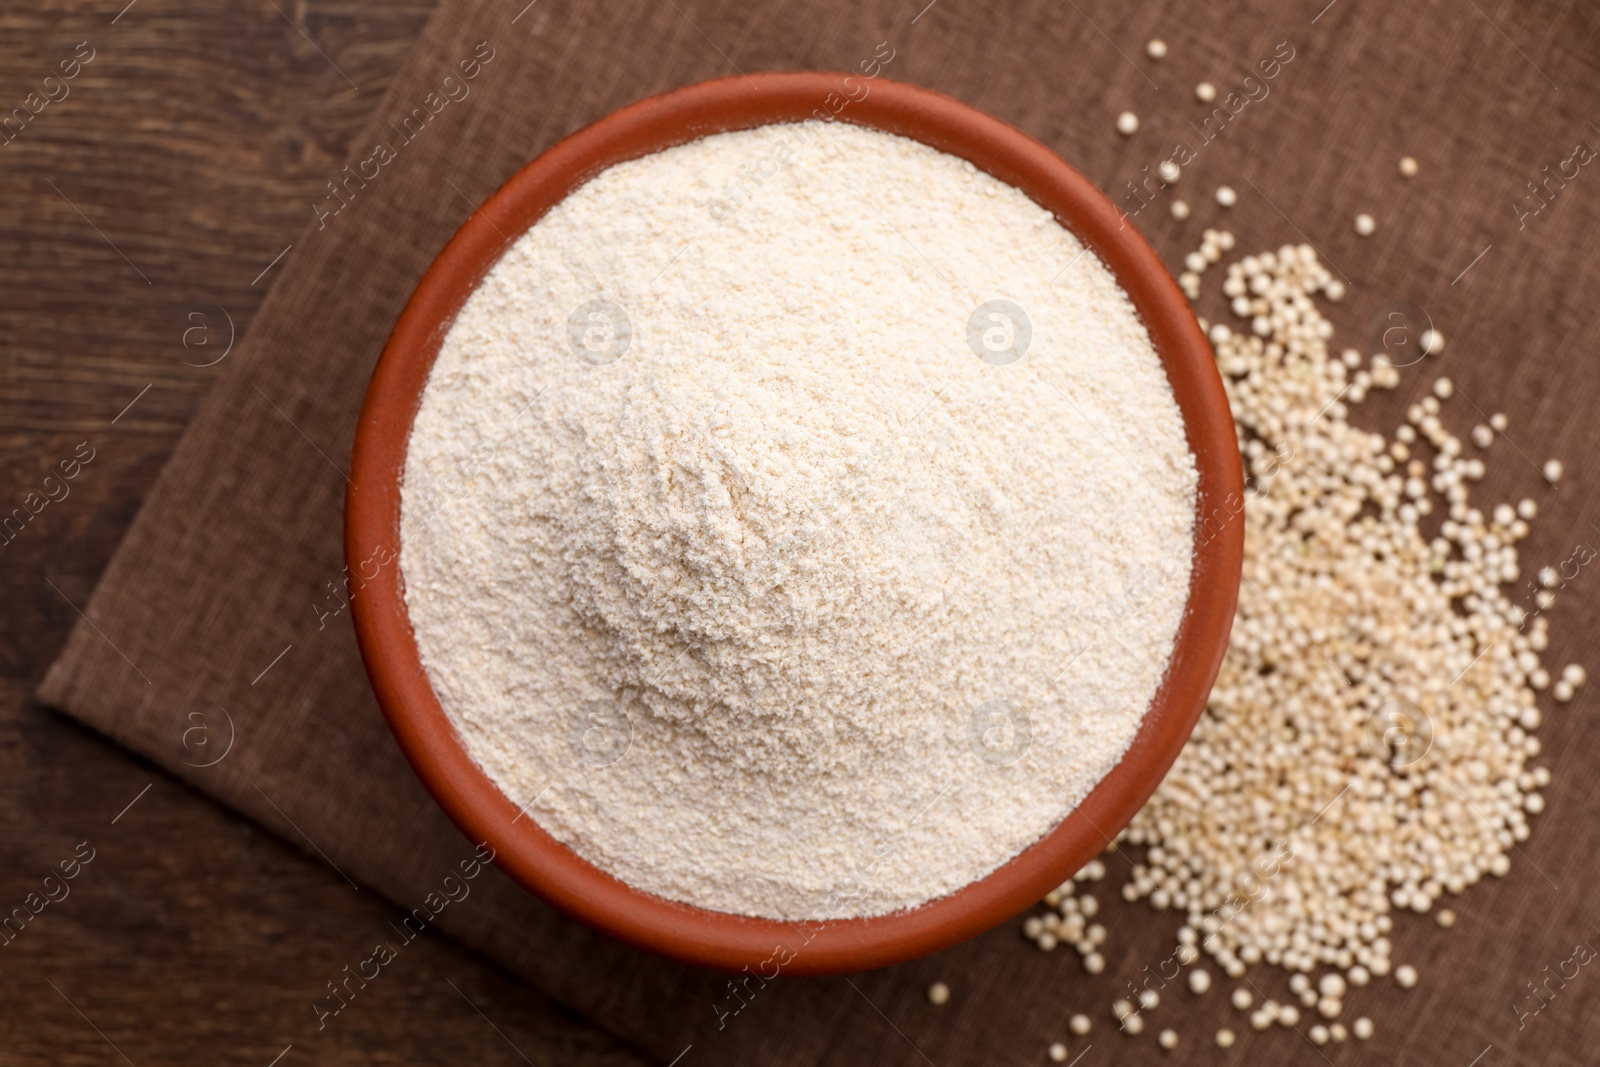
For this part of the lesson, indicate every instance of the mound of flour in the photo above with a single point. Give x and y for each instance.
(797, 522)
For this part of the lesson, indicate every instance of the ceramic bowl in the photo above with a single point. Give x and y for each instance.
(372, 513)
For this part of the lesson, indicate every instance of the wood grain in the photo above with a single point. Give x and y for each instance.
(183, 158)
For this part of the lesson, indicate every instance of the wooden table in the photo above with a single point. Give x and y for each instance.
(184, 156)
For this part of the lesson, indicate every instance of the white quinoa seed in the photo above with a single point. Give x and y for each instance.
(1391, 589)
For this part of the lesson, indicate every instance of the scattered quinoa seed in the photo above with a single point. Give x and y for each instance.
(1392, 600)
(938, 993)
(1365, 225)
(1168, 1039)
(1205, 92)
(1156, 49)
(1169, 171)
(1226, 196)
(1552, 470)
(1408, 167)
(1127, 123)
(1079, 1024)
(1180, 210)
(1058, 1052)
(1292, 389)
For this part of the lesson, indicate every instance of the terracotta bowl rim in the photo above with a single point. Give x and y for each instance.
(372, 508)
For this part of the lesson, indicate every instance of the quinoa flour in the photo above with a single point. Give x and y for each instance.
(734, 563)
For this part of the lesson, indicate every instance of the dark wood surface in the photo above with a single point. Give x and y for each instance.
(183, 158)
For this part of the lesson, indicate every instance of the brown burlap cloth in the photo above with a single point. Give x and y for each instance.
(223, 594)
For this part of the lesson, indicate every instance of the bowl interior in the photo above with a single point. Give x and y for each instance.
(372, 515)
